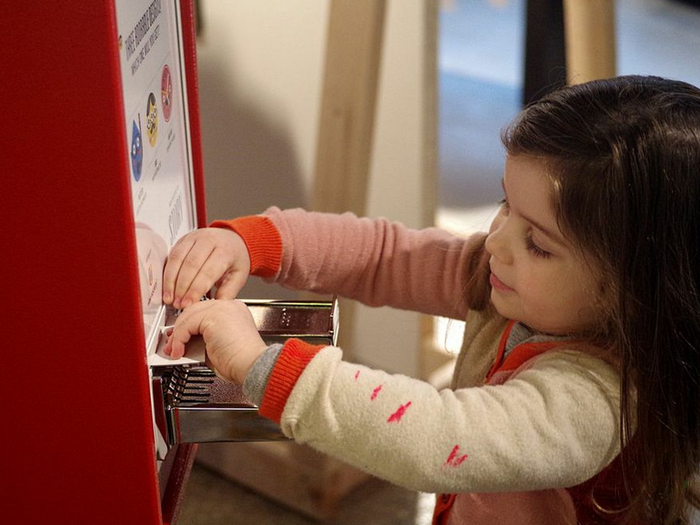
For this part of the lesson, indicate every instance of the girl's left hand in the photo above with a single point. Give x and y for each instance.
(230, 336)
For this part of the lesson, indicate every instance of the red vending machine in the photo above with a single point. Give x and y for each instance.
(101, 162)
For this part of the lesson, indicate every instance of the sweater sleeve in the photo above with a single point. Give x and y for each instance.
(553, 425)
(374, 261)
(262, 241)
(381, 263)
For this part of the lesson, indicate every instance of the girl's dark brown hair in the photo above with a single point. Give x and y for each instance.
(624, 158)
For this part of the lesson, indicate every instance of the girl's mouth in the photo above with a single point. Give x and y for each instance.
(498, 284)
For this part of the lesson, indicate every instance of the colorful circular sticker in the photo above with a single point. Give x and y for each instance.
(152, 119)
(166, 93)
(136, 150)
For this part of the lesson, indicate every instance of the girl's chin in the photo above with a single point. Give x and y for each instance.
(503, 304)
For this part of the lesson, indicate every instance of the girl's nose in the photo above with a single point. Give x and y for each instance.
(497, 242)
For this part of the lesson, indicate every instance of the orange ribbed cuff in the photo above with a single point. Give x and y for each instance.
(292, 361)
(262, 240)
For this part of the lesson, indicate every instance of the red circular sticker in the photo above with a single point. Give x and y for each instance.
(166, 93)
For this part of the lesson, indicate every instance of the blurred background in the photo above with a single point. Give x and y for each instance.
(450, 77)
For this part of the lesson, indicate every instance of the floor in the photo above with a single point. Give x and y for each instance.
(212, 500)
(480, 71)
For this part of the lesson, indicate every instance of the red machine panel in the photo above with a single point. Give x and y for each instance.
(77, 432)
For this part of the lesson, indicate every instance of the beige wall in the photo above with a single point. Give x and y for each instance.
(260, 74)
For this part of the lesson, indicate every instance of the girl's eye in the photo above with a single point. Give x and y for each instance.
(536, 250)
(504, 203)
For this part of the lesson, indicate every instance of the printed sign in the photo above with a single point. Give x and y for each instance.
(152, 71)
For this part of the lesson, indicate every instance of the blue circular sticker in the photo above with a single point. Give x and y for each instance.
(136, 151)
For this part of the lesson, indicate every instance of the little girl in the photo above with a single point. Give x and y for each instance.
(574, 398)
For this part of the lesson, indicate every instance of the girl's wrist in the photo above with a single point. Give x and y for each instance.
(252, 355)
(259, 374)
(262, 240)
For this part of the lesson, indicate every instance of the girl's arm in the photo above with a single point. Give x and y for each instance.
(374, 261)
(554, 425)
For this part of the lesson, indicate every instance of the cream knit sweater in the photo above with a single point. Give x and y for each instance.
(507, 447)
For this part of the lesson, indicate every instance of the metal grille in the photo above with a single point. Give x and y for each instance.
(185, 384)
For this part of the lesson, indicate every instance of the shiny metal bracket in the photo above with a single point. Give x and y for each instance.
(199, 407)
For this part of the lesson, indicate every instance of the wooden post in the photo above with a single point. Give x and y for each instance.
(590, 39)
(353, 55)
(344, 145)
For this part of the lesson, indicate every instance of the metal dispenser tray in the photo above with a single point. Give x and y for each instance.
(199, 407)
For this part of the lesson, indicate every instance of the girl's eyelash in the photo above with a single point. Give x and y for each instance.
(536, 250)
(529, 243)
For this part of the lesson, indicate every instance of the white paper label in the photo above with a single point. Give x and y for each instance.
(160, 166)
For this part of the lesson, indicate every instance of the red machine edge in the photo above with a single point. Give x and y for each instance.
(77, 444)
(189, 42)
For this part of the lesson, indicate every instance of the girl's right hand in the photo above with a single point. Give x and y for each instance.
(230, 335)
(202, 259)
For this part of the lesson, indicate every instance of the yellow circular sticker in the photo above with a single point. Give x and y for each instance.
(152, 120)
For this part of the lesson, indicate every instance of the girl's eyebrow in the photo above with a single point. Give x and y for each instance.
(553, 236)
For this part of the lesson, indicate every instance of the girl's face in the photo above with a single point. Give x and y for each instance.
(537, 277)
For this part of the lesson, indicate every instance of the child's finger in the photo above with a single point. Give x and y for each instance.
(212, 270)
(175, 346)
(195, 259)
(172, 267)
(186, 325)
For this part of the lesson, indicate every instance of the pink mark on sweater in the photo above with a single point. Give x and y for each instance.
(357, 374)
(396, 416)
(375, 392)
(454, 459)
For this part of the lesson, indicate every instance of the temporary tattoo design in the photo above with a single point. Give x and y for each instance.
(455, 459)
(396, 416)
